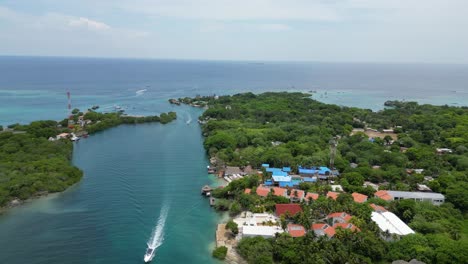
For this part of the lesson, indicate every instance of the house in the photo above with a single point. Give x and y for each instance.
(332, 195)
(348, 226)
(280, 191)
(263, 231)
(311, 196)
(247, 191)
(434, 198)
(296, 195)
(339, 217)
(63, 135)
(389, 222)
(372, 185)
(286, 169)
(322, 229)
(296, 230)
(382, 194)
(263, 191)
(309, 179)
(423, 188)
(359, 198)
(378, 208)
(291, 209)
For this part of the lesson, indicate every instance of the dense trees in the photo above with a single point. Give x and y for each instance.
(290, 129)
(31, 165)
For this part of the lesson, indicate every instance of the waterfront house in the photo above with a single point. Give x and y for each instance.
(434, 198)
(296, 230)
(321, 229)
(359, 198)
(290, 209)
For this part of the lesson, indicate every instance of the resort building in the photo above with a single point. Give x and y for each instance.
(321, 229)
(311, 196)
(296, 230)
(333, 195)
(263, 231)
(359, 198)
(378, 208)
(434, 198)
(290, 209)
(322, 172)
(389, 222)
(296, 195)
(339, 217)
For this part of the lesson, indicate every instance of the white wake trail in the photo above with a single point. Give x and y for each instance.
(157, 235)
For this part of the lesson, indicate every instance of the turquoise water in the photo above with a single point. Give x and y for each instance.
(131, 172)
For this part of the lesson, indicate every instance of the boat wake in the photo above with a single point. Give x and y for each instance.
(140, 92)
(157, 235)
(189, 119)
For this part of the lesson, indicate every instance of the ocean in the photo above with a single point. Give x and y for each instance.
(139, 179)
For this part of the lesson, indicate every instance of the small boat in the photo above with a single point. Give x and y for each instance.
(149, 254)
(95, 107)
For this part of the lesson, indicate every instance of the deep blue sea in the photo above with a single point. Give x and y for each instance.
(136, 175)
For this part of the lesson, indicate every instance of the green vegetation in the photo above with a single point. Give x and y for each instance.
(220, 252)
(291, 129)
(31, 165)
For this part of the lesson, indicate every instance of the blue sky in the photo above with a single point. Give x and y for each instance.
(431, 31)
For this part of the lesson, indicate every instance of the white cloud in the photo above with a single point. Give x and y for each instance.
(84, 22)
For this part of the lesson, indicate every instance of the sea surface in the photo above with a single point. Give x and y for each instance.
(146, 179)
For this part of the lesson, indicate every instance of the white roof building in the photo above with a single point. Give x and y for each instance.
(263, 231)
(388, 221)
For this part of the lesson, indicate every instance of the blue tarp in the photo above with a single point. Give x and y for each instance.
(264, 165)
(287, 169)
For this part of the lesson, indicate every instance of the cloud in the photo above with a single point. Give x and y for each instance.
(84, 22)
(233, 10)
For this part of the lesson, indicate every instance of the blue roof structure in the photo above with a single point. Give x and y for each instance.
(268, 183)
(286, 184)
(287, 169)
(314, 170)
(280, 173)
(309, 179)
(265, 165)
(281, 178)
(272, 169)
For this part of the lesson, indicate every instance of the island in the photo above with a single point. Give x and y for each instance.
(35, 159)
(308, 182)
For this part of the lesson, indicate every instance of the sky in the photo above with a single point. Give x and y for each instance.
(428, 31)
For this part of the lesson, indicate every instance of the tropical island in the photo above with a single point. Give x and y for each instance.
(310, 182)
(35, 159)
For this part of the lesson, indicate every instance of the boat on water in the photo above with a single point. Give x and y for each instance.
(149, 254)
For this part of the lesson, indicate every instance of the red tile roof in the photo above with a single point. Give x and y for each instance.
(328, 230)
(378, 208)
(382, 194)
(359, 198)
(279, 191)
(346, 217)
(346, 226)
(300, 193)
(313, 196)
(263, 191)
(247, 191)
(296, 230)
(291, 208)
(333, 195)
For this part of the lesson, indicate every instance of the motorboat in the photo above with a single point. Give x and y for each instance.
(149, 254)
